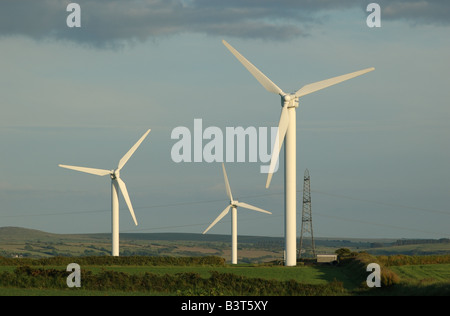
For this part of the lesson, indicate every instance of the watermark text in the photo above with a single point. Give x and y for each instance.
(74, 279)
(374, 18)
(374, 278)
(237, 144)
(74, 18)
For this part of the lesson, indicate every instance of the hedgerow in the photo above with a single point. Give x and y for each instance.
(109, 261)
(180, 283)
(400, 260)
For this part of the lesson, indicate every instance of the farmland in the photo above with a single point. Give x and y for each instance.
(186, 264)
(28, 243)
(40, 277)
(423, 274)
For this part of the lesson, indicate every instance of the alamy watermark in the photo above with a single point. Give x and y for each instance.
(374, 18)
(211, 144)
(373, 279)
(74, 18)
(74, 279)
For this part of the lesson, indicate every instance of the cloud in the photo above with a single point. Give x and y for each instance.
(106, 22)
(417, 11)
(110, 22)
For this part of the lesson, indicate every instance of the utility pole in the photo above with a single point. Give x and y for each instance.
(307, 228)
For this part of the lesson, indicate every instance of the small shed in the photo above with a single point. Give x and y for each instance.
(326, 258)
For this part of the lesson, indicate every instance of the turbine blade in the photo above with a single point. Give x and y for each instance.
(263, 80)
(224, 212)
(281, 133)
(227, 184)
(127, 156)
(251, 207)
(126, 197)
(313, 87)
(97, 172)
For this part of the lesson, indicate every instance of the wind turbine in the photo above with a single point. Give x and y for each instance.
(233, 205)
(116, 183)
(287, 129)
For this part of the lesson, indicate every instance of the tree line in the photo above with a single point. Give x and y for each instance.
(402, 242)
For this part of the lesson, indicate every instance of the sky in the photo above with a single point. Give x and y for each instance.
(376, 147)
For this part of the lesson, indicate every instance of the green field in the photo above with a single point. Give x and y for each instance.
(34, 263)
(184, 280)
(426, 279)
(68, 292)
(304, 274)
(428, 273)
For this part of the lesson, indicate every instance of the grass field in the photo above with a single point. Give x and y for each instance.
(303, 274)
(419, 278)
(417, 274)
(428, 273)
(68, 292)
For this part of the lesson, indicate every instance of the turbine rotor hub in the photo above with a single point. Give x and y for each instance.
(114, 174)
(289, 100)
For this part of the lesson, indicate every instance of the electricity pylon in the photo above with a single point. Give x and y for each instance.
(307, 228)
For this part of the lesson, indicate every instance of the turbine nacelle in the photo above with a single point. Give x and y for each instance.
(289, 100)
(115, 174)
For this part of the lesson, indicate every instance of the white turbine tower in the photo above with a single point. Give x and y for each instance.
(287, 129)
(116, 183)
(233, 205)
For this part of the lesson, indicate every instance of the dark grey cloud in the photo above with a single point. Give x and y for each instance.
(109, 21)
(106, 22)
(417, 11)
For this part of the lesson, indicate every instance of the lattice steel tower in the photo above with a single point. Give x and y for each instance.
(307, 228)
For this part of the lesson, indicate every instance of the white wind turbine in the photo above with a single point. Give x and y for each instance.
(233, 205)
(287, 129)
(116, 183)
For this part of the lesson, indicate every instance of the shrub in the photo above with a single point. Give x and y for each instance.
(388, 277)
(356, 268)
(399, 260)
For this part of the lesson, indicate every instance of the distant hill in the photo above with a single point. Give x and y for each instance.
(11, 234)
(20, 234)
(18, 241)
(23, 234)
(24, 242)
(26, 234)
